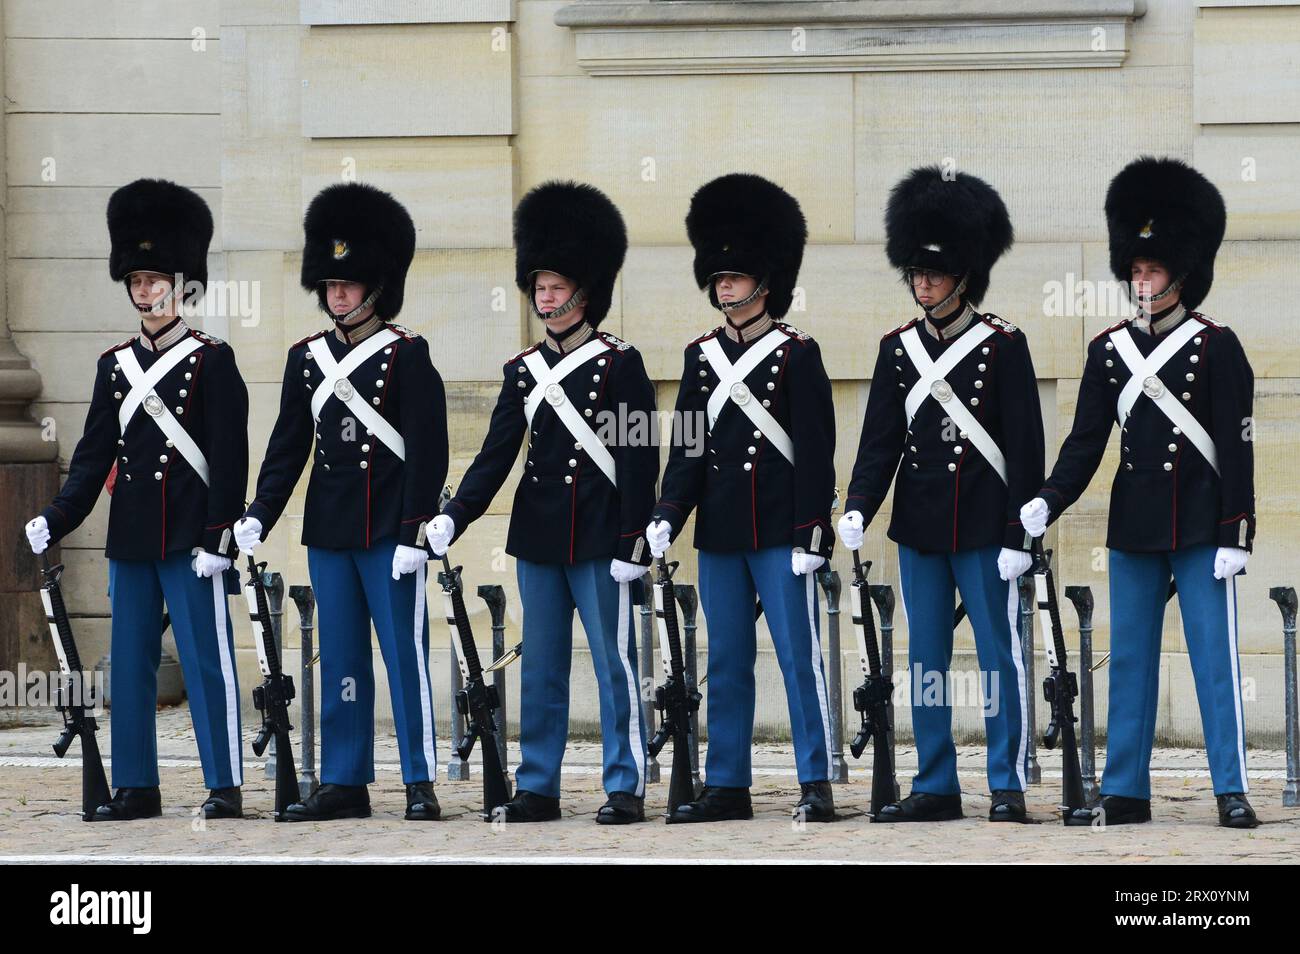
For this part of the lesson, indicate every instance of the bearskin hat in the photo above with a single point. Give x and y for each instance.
(574, 230)
(158, 226)
(1165, 210)
(956, 224)
(357, 233)
(746, 224)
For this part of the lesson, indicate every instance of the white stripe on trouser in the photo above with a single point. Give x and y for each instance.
(633, 695)
(227, 677)
(422, 667)
(1231, 591)
(1018, 658)
(818, 678)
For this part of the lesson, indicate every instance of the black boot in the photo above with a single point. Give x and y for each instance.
(1008, 806)
(224, 803)
(922, 807)
(715, 804)
(1235, 811)
(1119, 810)
(131, 803)
(621, 808)
(330, 802)
(421, 802)
(530, 807)
(816, 802)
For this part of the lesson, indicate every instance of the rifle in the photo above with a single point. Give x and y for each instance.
(1060, 687)
(871, 699)
(674, 700)
(273, 696)
(77, 722)
(477, 700)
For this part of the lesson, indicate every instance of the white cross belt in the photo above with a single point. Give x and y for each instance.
(732, 387)
(142, 394)
(336, 384)
(548, 390)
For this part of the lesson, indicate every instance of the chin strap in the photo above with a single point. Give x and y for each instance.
(366, 303)
(749, 299)
(955, 293)
(159, 306)
(1176, 284)
(577, 298)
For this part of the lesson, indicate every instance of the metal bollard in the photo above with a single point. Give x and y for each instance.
(305, 600)
(1081, 597)
(495, 597)
(829, 580)
(274, 584)
(689, 603)
(882, 594)
(1285, 598)
(1028, 605)
(648, 671)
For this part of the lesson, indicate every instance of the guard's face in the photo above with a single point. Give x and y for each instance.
(148, 287)
(1149, 278)
(550, 291)
(732, 287)
(931, 286)
(343, 296)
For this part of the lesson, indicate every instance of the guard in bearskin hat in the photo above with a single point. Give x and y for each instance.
(582, 398)
(367, 390)
(167, 433)
(761, 486)
(1183, 501)
(953, 420)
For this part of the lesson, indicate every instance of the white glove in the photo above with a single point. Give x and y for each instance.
(407, 560)
(802, 563)
(850, 528)
(248, 533)
(38, 535)
(1033, 517)
(207, 565)
(439, 534)
(659, 534)
(1229, 561)
(1013, 563)
(624, 572)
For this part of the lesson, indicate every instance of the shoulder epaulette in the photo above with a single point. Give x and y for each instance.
(794, 332)
(708, 334)
(1000, 324)
(618, 344)
(118, 347)
(311, 337)
(1209, 322)
(900, 329)
(402, 330)
(1105, 331)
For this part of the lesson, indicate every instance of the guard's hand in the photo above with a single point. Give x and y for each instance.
(1229, 561)
(248, 534)
(439, 534)
(659, 534)
(1013, 564)
(1033, 517)
(802, 563)
(624, 572)
(38, 535)
(207, 565)
(407, 560)
(850, 529)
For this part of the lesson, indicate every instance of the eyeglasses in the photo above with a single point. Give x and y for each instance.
(926, 276)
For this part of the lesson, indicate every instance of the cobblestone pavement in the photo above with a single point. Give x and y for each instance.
(40, 802)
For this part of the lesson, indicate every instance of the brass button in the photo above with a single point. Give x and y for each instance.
(771, 385)
(365, 448)
(748, 466)
(1168, 466)
(573, 462)
(952, 467)
(568, 479)
(157, 475)
(591, 395)
(162, 458)
(753, 449)
(365, 464)
(1173, 448)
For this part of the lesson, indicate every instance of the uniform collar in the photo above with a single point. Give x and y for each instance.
(571, 338)
(751, 330)
(350, 336)
(165, 338)
(960, 322)
(1165, 323)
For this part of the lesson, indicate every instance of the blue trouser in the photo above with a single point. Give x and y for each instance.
(549, 593)
(929, 581)
(728, 583)
(354, 587)
(206, 645)
(1139, 585)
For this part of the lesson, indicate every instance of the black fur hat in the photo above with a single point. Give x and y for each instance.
(158, 226)
(358, 233)
(1165, 210)
(574, 230)
(744, 223)
(956, 224)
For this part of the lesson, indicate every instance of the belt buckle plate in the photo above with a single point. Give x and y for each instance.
(1153, 387)
(153, 405)
(343, 390)
(740, 393)
(941, 390)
